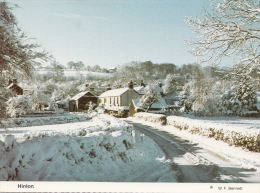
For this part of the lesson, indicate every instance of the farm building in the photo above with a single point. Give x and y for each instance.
(13, 86)
(80, 102)
(159, 107)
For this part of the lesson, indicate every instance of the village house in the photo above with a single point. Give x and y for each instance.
(13, 86)
(119, 97)
(81, 101)
(159, 107)
(112, 69)
(93, 89)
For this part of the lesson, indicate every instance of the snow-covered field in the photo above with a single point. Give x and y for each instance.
(102, 149)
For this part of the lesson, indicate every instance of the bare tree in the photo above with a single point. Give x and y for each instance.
(230, 29)
(18, 55)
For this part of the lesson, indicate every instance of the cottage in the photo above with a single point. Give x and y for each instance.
(80, 102)
(118, 97)
(13, 86)
(93, 89)
(159, 107)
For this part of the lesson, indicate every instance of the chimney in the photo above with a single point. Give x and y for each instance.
(142, 83)
(15, 80)
(87, 85)
(160, 84)
(108, 87)
(131, 85)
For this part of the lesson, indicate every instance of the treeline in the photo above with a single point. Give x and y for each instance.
(151, 72)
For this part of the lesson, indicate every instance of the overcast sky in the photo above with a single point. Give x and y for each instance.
(110, 32)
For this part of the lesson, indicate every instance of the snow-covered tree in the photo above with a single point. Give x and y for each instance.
(150, 97)
(19, 105)
(230, 105)
(246, 94)
(185, 101)
(240, 99)
(230, 29)
(200, 94)
(76, 65)
(39, 98)
(18, 55)
(208, 105)
(171, 84)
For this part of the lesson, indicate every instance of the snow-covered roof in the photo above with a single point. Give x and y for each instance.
(112, 68)
(140, 89)
(158, 105)
(159, 89)
(114, 92)
(62, 102)
(12, 85)
(81, 94)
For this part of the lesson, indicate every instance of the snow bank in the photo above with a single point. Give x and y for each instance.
(104, 143)
(239, 132)
(154, 118)
(101, 149)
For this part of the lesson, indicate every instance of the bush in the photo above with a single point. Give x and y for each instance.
(19, 105)
(154, 118)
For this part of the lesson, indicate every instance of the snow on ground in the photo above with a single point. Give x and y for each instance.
(102, 149)
(238, 155)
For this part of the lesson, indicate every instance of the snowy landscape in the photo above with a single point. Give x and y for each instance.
(102, 148)
(93, 107)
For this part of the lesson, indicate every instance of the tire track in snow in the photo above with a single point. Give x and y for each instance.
(201, 166)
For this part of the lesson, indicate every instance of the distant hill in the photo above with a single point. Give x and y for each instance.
(77, 73)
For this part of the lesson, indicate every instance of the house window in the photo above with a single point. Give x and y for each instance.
(92, 89)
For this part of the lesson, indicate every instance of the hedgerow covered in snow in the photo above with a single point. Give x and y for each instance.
(231, 134)
(153, 118)
(228, 130)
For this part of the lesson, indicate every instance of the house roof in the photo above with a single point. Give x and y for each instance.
(160, 104)
(140, 89)
(13, 85)
(114, 92)
(81, 94)
(159, 89)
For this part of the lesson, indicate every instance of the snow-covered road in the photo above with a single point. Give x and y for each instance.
(195, 164)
